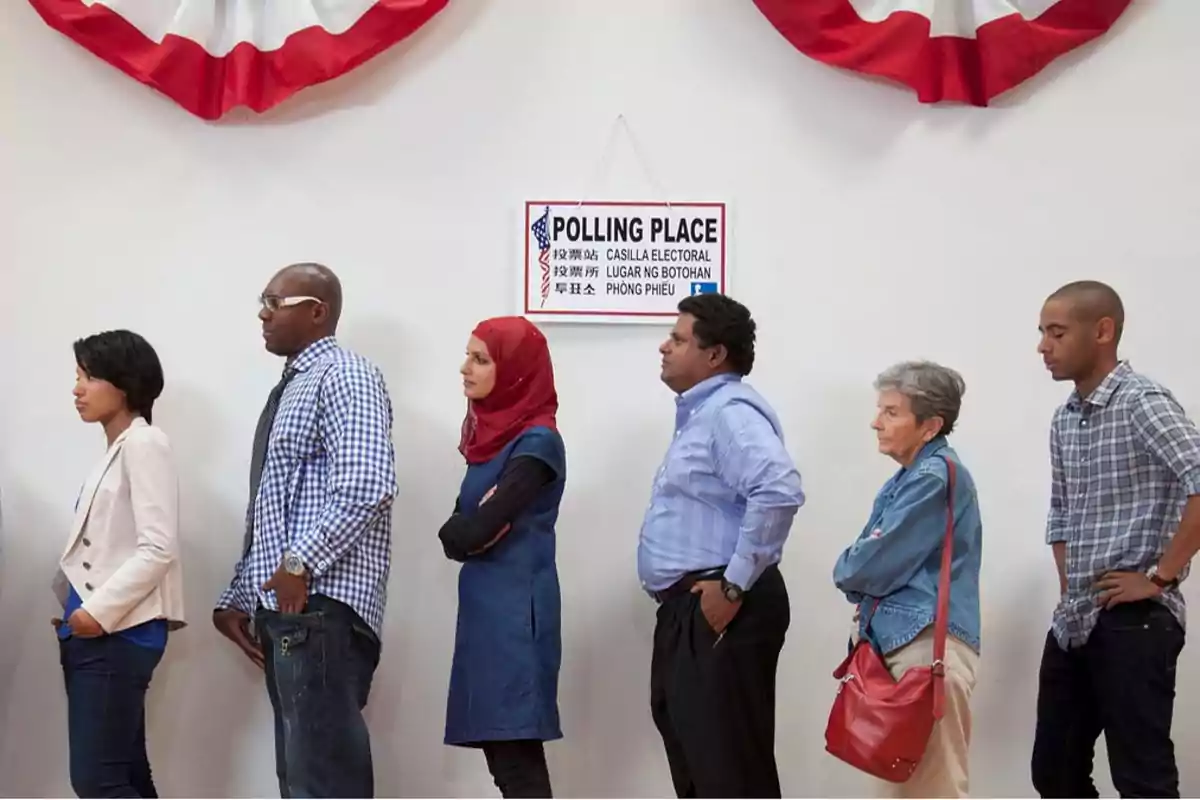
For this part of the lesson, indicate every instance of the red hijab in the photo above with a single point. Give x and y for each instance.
(523, 396)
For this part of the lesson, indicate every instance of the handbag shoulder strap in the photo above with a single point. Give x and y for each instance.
(941, 622)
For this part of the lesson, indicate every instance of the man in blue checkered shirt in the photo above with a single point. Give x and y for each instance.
(307, 598)
(1124, 524)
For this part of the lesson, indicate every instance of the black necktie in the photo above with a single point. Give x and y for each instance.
(259, 455)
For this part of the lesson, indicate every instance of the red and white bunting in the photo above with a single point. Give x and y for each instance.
(965, 51)
(212, 55)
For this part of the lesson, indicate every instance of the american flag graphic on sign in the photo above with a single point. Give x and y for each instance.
(543, 238)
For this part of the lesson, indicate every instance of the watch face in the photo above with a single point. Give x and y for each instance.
(293, 564)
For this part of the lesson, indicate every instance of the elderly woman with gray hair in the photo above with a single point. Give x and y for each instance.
(896, 560)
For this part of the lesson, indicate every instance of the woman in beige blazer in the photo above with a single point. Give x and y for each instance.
(119, 578)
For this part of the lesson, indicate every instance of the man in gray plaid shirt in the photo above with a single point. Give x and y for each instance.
(1124, 523)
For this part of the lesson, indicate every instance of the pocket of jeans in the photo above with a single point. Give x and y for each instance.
(365, 639)
(1135, 617)
(1152, 639)
(294, 631)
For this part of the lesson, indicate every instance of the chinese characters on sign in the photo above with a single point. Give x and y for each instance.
(617, 261)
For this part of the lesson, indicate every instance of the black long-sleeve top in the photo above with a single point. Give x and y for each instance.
(467, 534)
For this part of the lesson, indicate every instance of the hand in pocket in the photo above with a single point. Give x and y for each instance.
(84, 625)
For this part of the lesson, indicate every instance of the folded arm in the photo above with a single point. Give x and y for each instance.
(464, 535)
(885, 559)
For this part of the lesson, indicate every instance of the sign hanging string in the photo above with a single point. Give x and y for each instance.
(619, 124)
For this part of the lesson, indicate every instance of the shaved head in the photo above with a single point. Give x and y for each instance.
(319, 281)
(1092, 301)
(301, 305)
(1081, 325)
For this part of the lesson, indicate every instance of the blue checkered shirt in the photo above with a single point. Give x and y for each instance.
(1123, 463)
(327, 486)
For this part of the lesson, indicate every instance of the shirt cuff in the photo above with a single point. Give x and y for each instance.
(742, 572)
(236, 599)
(315, 555)
(1191, 482)
(1056, 535)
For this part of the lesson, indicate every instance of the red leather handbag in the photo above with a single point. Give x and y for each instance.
(878, 724)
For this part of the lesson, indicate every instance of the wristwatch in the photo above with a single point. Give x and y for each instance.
(293, 564)
(1159, 580)
(733, 593)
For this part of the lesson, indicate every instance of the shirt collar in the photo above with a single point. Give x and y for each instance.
(696, 395)
(1104, 392)
(310, 355)
(928, 449)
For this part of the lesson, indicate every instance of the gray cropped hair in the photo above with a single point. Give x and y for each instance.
(933, 390)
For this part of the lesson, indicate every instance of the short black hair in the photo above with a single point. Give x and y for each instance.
(128, 362)
(721, 320)
(1094, 300)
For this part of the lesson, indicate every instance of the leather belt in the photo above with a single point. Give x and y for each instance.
(685, 584)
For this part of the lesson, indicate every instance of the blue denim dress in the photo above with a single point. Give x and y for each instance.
(508, 644)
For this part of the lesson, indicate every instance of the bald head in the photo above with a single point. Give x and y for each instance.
(1092, 301)
(317, 280)
(1081, 326)
(300, 305)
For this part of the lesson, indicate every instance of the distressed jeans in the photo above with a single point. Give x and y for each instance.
(319, 667)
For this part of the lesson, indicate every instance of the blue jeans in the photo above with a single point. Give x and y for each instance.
(106, 679)
(319, 667)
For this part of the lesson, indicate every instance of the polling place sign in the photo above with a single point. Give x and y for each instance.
(618, 261)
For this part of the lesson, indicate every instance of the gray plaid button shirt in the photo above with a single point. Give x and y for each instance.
(1123, 462)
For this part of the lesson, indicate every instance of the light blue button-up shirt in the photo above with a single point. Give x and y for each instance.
(726, 493)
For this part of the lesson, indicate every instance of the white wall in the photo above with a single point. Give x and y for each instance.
(865, 229)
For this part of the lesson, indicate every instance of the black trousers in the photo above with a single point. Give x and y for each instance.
(1121, 683)
(518, 767)
(713, 699)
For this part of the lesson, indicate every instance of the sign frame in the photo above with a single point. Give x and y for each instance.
(527, 299)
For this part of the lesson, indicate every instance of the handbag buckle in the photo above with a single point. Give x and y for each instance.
(939, 667)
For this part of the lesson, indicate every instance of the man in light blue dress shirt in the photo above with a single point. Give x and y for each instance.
(720, 511)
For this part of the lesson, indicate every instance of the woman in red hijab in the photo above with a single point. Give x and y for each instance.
(504, 679)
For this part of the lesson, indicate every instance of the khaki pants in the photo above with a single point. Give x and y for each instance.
(943, 772)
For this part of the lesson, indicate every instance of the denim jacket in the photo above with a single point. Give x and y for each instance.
(898, 555)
